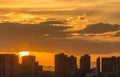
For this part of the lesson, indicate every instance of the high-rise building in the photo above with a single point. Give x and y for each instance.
(9, 65)
(118, 66)
(98, 65)
(72, 62)
(85, 62)
(72, 65)
(110, 64)
(61, 65)
(28, 66)
(65, 66)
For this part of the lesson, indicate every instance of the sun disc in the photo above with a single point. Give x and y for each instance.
(24, 53)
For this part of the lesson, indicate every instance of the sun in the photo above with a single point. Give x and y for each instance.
(24, 53)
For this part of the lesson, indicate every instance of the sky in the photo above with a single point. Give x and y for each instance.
(48, 27)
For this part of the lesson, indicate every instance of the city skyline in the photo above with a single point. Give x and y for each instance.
(65, 66)
(50, 66)
(45, 28)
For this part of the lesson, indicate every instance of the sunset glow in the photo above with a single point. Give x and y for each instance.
(24, 53)
(43, 28)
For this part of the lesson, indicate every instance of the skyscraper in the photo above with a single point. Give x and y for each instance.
(85, 62)
(98, 65)
(28, 66)
(72, 65)
(72, 62)
(65, 66)
(61, 65)
(110, 64)
(8, 65)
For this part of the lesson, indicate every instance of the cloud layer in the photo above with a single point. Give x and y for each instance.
(100, 28)
(44, 37)
(55, 26)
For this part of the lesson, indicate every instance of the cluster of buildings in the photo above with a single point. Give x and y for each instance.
(29, 67)
(66, 66)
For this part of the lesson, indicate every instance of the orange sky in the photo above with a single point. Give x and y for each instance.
(57, 26)
(47, 59)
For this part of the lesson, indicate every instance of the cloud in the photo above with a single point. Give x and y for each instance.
(117, 34)
(45, 37)
(97, 12)
(99, 28)
(35, 26)
(28, 31)
(62, 45)
(15, 35)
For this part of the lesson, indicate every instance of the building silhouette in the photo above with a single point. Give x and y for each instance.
(72, 65)
(38, 69)
(111, 65)
(61, 65)
(98, 65)
(9, 65)
(65, 66)
(28, 60)
(85, 62)
(29, 67)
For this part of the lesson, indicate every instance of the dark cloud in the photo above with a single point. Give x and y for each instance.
(99, 28)
(28, 31)
(53, 22)
(14, 35)
(44, 37)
